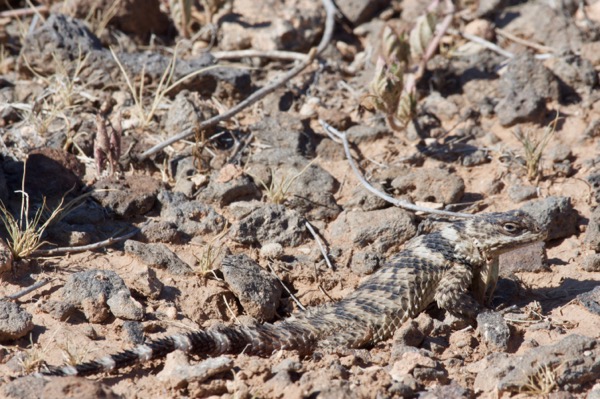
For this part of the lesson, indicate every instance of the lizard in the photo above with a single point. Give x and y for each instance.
(450, 266)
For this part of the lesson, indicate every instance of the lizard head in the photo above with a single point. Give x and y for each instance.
(496, 233)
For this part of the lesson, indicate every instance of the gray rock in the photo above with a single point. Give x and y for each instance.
(360, 11)
(14, 321)
(557, 30)
(161, 231)
(6, 257)
(191, 217)
(366, 134)
(123, 306)
(493, 330)
(134, 331)
(530, 258)
(518, 193)
(574, 361)
(413, 332)
(185, 186)
(591, 300)
(271, 250)
(128, 196)
(591, 263)
(157, 255)
(382, 229)
(258, 291)
(93, 289)
(312, 194)
(576, 72)
(555, 214)
(28, 387)
(440, 106)
(60, 310)
(89, 212)
(477, 157)
(51, 172)
(62, 38)
(431, 185)
(184, 113)
(594, 393)
(241, 188)
(284, 134)
(310, 188)
(592, 233)
(365, 263)
(594, 180)
(405, 388)
(65, 33)
(287, 365)
(270, 223)
(450, 391)
(178, 372)
(365, 201)
(559, 153)
(72, 235)
(145, 282)
(525, 87)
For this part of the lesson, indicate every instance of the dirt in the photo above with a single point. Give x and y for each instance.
(243, 190)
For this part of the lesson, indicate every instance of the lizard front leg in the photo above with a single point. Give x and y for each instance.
(453, 293)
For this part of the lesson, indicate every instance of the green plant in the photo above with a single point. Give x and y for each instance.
(210, 254)
(542, 381)
(207, 259)
(65, 84)
(533, 146)
(74, 354)
(25, 233)
(392, 90)
(278, 189)
(144, 113)
(98, 18)
(33, 357)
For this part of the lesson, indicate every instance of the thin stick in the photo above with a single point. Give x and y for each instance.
(435, 43)
(29, 289)
(231, 310)
(261, 93)
(254, 97)
(82, 248)
(338, 136)
(286, 288)
(524, 42)
(23, 12)
(431, 48)
(491, 46)
(482, 42)
(275, 54)
(319, 243)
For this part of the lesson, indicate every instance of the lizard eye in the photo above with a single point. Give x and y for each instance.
(510, 227)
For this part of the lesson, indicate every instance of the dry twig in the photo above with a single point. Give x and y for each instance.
(259, 94)
(340, 137)
(90, 247)
(27, 290)
(286, 288)
(275, 54)
(319, 243)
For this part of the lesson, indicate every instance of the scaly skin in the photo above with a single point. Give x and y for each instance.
(445, 266)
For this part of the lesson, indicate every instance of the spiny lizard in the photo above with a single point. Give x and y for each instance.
(450, 266)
